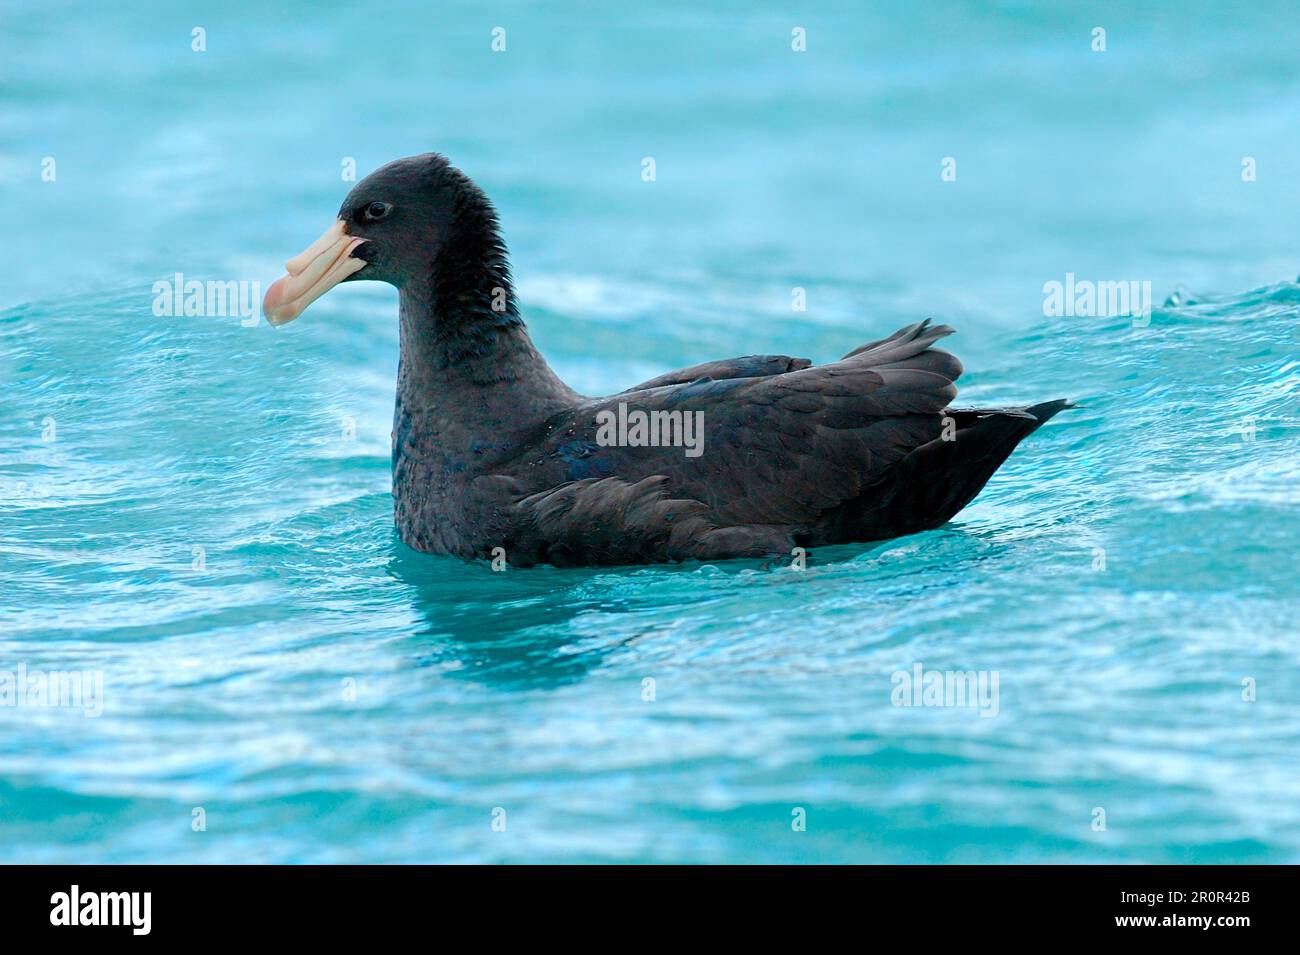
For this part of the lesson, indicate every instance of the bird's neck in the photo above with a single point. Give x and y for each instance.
(467, 373)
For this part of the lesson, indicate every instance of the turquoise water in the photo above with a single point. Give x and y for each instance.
(199, 511)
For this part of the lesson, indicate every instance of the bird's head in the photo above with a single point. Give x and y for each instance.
(395, 226)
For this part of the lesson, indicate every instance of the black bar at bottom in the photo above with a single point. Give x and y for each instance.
(332, 905)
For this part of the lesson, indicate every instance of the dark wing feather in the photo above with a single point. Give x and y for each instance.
(750, 366)
(613, 521)
(781, 449)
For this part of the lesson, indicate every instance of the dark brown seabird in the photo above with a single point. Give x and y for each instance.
(492, 450)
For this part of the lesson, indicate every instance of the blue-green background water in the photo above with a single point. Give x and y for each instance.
(227, 679)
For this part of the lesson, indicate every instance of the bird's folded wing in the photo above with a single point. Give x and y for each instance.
(611, 520)
(750, 366)
(785, 448)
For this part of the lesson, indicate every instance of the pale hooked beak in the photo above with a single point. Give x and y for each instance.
(324, 264)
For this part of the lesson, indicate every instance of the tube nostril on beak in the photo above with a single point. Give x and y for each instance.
(305, 258)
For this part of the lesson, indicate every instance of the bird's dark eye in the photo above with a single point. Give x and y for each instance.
(376, 210)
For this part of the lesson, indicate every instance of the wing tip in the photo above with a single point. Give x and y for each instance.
(919, 336)
(1044, 411)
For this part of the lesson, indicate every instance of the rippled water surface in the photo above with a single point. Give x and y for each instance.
(200, 510)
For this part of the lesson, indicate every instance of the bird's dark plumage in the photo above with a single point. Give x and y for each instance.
(491, 450)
